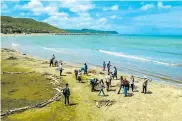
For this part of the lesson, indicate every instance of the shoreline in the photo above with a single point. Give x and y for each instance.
(173, 83)
(160, 98)
(50, 34)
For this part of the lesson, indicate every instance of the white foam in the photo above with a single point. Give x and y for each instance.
(51, 49)
(136, 57)
(15, 46)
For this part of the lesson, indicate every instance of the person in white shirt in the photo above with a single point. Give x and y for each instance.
(132, 80)
(79, 76)
(61, 68)
(145, 83)
(108, 81)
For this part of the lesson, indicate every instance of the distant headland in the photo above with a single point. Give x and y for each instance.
(10, 25)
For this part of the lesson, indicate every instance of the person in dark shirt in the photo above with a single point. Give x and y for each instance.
(52, 60)
(85, 68)
(104, 66)
(114, 73)
(121, 84)
(66, 93)
(108, 67)
(93, 83)
(126, 86)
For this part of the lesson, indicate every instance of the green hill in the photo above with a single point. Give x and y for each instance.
(91, 31)
(26, 25)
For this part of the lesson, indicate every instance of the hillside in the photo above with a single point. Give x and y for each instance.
(91, 31)
(26, 25)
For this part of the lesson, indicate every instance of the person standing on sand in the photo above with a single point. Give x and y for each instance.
(126, 85)
(52, 60)
(85, 69)
(66, 93)
(108, 81)
(145, 83)
(108, 67)
(104, 66)
(76, 74)
(61, 68)
(132, 82)
(121, 84)
(114, 73)
(102, 87)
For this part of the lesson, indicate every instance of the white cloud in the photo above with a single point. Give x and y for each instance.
(105, 9)
(102, 20)
(113, 17)
(77, 6)
(38, 8)
(160, 5)
(115, 7)
(147, 6)
(171, 19)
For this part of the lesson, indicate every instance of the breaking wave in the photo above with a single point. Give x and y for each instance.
(138, 58)
(15, 46)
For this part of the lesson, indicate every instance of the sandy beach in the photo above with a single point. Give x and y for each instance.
(163, 102)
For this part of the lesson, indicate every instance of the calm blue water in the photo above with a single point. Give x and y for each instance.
(154, 56)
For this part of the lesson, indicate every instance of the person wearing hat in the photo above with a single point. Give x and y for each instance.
(132, 82)
(66, 93)
(145, 83)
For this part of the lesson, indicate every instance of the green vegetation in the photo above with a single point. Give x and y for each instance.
(11, 25)
(30, 89)
(91, 31)
(19, 90)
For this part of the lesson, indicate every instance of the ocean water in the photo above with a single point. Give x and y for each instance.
(158, 57)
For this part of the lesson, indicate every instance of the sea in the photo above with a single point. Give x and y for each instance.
(157, 57)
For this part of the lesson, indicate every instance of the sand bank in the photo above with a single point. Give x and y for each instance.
(163, 102)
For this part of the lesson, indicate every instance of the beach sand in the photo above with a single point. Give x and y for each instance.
(163, 102)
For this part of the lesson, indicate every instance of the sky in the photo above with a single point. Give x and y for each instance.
(125, 17)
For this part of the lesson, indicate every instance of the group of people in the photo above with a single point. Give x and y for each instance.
(94, 82)
(53, 62)
(114, 72)
(124, 83)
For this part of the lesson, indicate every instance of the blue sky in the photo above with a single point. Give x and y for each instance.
(137, 17)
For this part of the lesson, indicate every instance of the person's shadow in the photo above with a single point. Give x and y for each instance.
(112, 90)
(73, 104)
(130, 94)
(149, 92)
